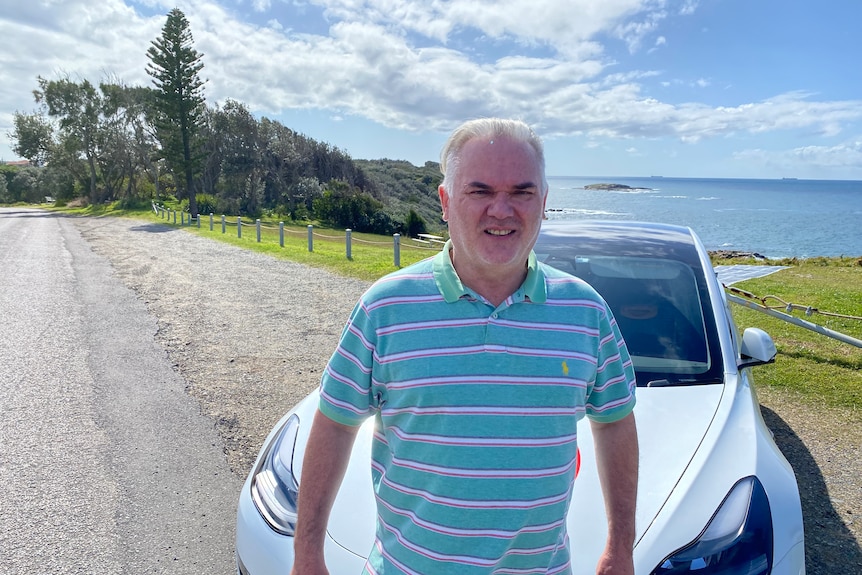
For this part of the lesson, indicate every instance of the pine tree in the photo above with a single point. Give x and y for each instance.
(180, 105)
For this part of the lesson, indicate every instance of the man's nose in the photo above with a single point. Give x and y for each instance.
(500, 206)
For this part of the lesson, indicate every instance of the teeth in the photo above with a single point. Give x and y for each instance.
(500, 232)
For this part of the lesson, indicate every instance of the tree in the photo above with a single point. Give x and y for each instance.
(125, 138)
(5, 198)
(33, 136)
(78, 107)
(24, 186)
(174, 66)
(241, 152)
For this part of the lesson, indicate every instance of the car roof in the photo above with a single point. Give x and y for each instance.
(623, 238)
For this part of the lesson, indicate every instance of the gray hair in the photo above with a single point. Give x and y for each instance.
(490, 128)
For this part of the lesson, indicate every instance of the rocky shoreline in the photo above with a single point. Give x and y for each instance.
(736, 254)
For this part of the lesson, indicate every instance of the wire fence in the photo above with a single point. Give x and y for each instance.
(782, 310)
(426, 242)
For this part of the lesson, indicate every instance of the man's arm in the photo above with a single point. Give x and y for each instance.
(323, 467)
(617, 460)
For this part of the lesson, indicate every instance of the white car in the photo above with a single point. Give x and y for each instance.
(715, 494)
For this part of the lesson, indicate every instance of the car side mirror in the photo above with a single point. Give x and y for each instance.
(757, 348)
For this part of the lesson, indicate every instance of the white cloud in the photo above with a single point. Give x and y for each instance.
(633, 33)
(659, 42)
(397, 63)
(562, 24)
(688, 7)
(844, 155)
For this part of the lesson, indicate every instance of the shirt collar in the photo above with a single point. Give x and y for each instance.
(452, 289)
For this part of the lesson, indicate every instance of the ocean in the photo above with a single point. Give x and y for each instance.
(775, 218)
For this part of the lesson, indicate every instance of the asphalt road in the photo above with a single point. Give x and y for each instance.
(106, 465)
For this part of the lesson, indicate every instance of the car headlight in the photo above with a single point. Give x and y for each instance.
(274, 488)
(737, 540)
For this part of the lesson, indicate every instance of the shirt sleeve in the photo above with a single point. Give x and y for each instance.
(612, 397)
(346, 391)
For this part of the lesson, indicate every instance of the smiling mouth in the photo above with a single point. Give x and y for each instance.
(499, 232)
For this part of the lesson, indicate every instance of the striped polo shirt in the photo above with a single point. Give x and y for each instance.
(475, 443)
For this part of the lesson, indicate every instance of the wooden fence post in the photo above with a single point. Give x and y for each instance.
(396, 239)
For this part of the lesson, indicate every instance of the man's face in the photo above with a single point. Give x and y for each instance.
(495, 208)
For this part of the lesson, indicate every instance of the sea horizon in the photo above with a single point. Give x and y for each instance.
(774, 217)
(658, 177)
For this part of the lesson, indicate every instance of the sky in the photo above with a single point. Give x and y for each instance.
(677, 88)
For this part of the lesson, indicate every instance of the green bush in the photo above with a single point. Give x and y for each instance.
(344, 207)
(134, 203)
(414, 224)
(207, 204)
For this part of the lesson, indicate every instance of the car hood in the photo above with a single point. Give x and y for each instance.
(671, 421)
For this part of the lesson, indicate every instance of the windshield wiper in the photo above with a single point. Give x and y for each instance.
(668, 383)
(659, 383)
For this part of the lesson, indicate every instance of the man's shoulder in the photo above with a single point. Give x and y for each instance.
(414, 279)
(563, 285)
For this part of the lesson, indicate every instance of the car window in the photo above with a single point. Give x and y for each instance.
(659, 309)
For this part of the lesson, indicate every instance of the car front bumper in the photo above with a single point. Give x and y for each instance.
(262, 551)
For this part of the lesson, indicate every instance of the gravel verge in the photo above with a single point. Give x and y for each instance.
(251, 334)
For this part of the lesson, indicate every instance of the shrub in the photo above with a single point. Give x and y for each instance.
(414, 224)
(207, 204)
(134, 203)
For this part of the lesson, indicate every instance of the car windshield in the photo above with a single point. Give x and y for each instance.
(659, 305)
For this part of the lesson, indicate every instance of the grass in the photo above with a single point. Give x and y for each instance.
(815, 369)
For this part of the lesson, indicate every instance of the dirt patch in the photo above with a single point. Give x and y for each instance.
(824, 447)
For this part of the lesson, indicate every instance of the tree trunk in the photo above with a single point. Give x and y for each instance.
(187, 157)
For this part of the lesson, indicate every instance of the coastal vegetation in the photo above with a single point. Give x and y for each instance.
(98, 143)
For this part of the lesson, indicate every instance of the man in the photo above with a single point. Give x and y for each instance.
(477, 364)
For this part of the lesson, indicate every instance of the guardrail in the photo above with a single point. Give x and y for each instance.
(425, 240)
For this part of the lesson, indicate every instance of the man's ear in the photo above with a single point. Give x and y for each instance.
(444, 202)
